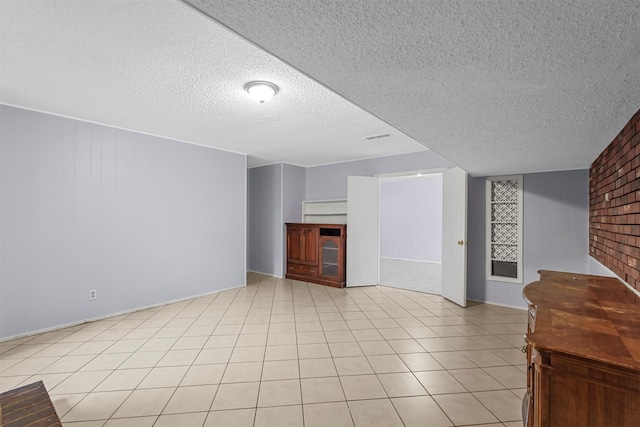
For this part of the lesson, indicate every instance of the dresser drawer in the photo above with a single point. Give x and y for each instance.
(302, 270)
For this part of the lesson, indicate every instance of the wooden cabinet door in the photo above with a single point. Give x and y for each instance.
(539, 389)
(302, 245)
(528, 399)
(309, 239)
(294, 244)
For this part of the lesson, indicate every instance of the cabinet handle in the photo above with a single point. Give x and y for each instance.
(524, 348)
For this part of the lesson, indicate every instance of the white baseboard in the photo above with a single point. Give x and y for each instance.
(107, 316)
(265, 274)
(498, 304)
(412, 260)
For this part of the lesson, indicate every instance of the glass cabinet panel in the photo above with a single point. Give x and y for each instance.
(329, 259)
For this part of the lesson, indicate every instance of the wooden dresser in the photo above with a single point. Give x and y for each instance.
(317, 253)
(583, 351)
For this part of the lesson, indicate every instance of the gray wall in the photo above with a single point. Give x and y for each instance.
(556, 218)
(330, 181)
(275, 195)
(555, 228)
(293, 185)
(411, 218)
(143, 220)
(264, 215)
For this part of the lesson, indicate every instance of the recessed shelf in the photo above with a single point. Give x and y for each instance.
(324, 211)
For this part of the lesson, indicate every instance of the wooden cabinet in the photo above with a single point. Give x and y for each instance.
(583, 350)
(302, 245)
(316, 253)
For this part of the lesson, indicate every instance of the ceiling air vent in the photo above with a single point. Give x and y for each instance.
(371, 138)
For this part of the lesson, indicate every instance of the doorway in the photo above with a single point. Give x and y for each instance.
(411, 213)
(363, 255)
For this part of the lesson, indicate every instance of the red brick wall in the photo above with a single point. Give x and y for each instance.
(614, 204)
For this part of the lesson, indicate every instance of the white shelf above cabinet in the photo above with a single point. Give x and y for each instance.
(324, 211)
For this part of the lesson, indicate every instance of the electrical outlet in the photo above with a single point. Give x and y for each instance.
(93, 294)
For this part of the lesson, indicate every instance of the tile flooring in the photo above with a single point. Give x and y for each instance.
(283, 353)
(411, 275)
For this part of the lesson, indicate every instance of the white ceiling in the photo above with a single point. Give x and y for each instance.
(162, 68)
(494, 86)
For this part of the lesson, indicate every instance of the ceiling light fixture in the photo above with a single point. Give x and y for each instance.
(261, 91)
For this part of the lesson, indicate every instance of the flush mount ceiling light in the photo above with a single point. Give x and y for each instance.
(261, 91)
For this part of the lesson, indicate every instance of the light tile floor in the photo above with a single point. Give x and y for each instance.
(411, 275)
(283, 353)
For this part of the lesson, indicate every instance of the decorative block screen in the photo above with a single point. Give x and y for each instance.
(504, 228)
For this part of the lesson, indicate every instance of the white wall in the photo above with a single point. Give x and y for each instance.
(411, 218)
(141, 219)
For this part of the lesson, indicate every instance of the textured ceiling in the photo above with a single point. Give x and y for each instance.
(163, 68)
(494, 86)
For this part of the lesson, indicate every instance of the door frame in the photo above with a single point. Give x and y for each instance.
(410, 174)
(460, 301)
